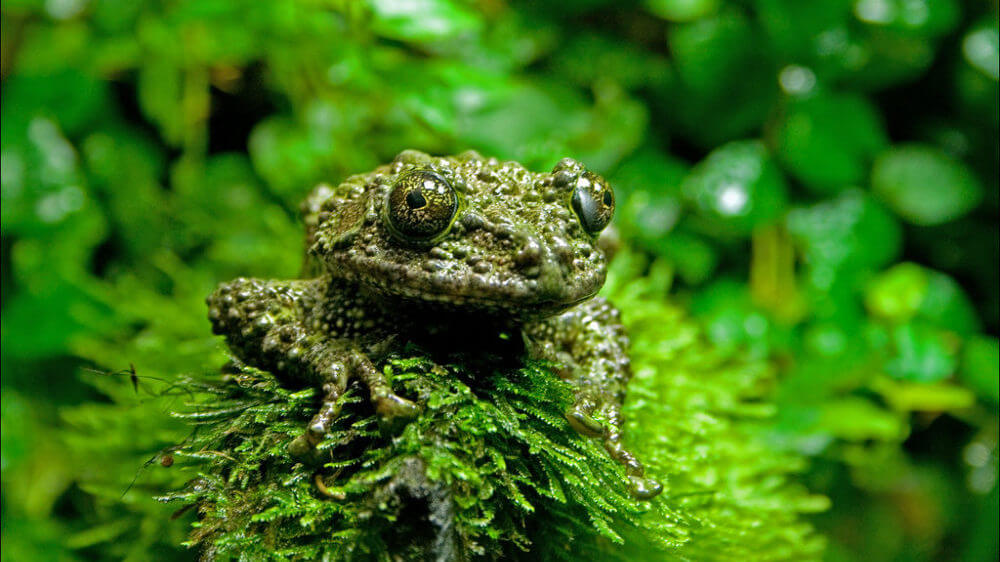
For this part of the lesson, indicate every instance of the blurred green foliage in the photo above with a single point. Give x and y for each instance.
(820, 176)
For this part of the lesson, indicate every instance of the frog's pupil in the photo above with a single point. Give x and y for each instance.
(415, 199)
(607, 199)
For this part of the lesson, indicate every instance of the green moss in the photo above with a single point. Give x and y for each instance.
(491, 468)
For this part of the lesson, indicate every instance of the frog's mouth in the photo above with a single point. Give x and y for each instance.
(505, 293)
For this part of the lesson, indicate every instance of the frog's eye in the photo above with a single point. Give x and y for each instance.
(593, 201)
(421, 206)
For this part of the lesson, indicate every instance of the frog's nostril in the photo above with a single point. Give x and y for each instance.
(529, 257)
(563, 251)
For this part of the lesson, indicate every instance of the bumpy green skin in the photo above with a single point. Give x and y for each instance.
(515, 259)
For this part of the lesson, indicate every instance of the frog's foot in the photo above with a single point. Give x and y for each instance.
(303, 446)
(581, 417)
(391, 406)
(387, 403)
(644, 488)
(640, 487)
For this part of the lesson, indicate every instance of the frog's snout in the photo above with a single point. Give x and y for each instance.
(537, 258)
(517, 265)
(548, 264)
(534, 254)
(530, 257)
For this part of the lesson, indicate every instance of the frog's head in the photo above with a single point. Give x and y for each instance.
(467, 233)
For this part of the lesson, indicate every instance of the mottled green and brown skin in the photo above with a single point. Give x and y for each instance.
(449, 249)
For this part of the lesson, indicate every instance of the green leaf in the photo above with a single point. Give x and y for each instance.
(53, 224)
(69, 97)
(731, 320)
(737, 187)
(530, 123)
(682, 10)
(713, 102)
(809, 33)
(295, 154)
(849, 232)
(709, 51)
(977, 78)
(422, 20)
(946, 305)
(827, 141)
(858, 419)
(647, 190)
(926, 397)
(907, 291)
(897, 294)
(590, 59)
(125, 168)
(160, 91)
(981, 48)
(924, 18)
(924, 185)
(980, 369)
(216, 199)
(922, 354)
(537, 122)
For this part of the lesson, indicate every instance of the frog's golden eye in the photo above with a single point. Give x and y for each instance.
(421, 207)
(593, 201)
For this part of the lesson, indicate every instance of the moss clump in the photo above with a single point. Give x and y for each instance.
(492, 469)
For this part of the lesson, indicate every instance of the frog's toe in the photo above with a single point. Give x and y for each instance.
(394, 406)
(584, 423)
(387, 403)
(644, 488)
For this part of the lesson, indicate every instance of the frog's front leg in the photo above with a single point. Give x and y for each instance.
(590, 344)
(284, 327)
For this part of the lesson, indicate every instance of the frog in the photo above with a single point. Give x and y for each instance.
(451, 249)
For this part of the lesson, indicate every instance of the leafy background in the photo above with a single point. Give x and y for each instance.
(817, 179)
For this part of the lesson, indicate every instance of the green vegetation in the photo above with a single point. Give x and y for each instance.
(807, 201)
